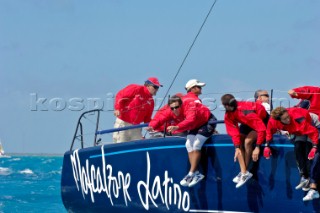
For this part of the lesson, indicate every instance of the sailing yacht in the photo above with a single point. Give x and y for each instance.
(1, 150)
(143, 176)
(2, 154)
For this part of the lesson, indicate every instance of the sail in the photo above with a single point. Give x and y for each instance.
(1, 149)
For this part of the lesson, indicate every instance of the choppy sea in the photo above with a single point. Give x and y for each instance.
(30, 184)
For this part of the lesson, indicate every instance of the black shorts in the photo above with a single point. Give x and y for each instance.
(245, 129)
(304, 138)
(207, 129)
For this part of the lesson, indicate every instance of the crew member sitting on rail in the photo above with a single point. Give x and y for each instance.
(161, 130)
(199, 123)
(250, 115)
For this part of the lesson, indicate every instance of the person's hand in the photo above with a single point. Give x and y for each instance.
(150, 129)
(312, 153)
(236, 154)
(255, 154)
(172, 128)
(292, 93)
(116, 113)
(285, 133)
(267, 152)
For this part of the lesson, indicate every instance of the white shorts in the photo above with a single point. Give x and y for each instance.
(195, 142)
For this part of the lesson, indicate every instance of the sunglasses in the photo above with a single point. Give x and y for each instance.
(173, 108)
(155, 87)
(197, 87)
(267, 95)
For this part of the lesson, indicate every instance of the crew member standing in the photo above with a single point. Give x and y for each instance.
(134, 104)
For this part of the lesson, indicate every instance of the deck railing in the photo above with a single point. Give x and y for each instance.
(96, 141)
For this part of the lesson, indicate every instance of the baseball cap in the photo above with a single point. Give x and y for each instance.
(154, 81)
(194, 82)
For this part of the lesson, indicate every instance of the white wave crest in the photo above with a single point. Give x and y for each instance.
(55, 172)
(15, 159)
(5, 171)
(8, 197)
(26, 171)
(48, 161)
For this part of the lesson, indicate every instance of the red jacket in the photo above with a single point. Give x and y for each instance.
(300, 124)
(191, 97)
(192, 116)
(135, 104)
(312, 94)
(250, 114)
(173, 121)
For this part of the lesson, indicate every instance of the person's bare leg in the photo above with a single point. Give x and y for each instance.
(190, 156)
(242, 164)
(249, 140)
(313, 186)
(195, 159)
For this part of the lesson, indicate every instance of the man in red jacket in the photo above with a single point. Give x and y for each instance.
(250, 115)
(197, 119)
(161, 130)
(133, 105)
(194, 89)
(297, 121)
(310, 93)
(310, 100)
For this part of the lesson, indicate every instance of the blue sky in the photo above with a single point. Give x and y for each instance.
(68, 50)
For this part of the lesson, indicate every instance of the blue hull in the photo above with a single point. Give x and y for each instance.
(144, 176)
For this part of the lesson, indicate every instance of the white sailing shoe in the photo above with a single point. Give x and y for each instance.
(186, 180)
(236, 179)
(243, 179)
(312, 194)
(197, 177)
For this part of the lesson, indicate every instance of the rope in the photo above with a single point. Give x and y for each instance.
(252, 91)
(309, 93)
(186, 56)
(232, 92)
(228, 92)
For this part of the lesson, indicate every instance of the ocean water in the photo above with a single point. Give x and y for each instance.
(30, 184)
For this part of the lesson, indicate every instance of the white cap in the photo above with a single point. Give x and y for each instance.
(194, 82)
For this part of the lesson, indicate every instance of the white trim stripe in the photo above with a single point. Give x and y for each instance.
(214, 211)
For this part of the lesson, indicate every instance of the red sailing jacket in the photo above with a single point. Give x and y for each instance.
(312, 94)
(250, 114)
(173, 121)
(300, 124)
(191, 97)
(135, 104)
(192, 116)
